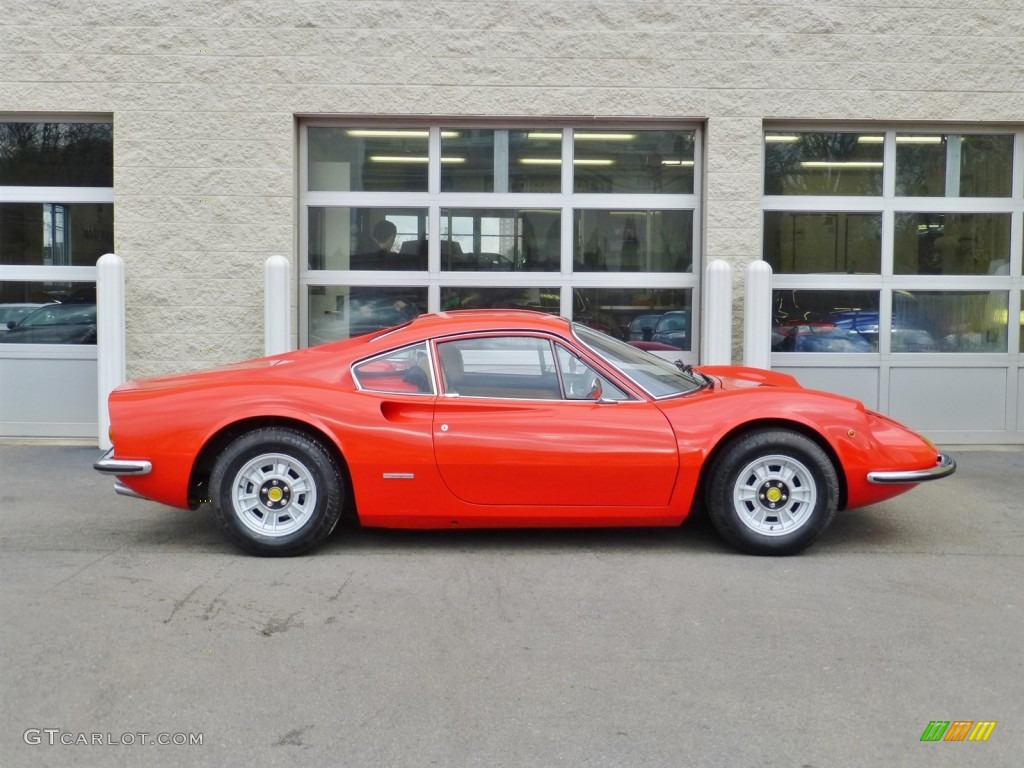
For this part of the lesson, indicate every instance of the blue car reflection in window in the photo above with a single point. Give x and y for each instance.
(822, 337)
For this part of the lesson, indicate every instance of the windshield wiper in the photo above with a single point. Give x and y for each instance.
(691, 371)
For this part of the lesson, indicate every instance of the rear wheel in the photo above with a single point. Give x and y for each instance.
(276, 491)
(772, 492)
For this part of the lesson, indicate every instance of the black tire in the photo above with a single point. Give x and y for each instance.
(784, 506)
(276, 492)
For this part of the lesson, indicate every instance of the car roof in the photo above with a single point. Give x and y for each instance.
(463, 320)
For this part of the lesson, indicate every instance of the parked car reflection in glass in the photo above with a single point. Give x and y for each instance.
(55, 324)
(818, 337)
(673, 328)
(13, 313)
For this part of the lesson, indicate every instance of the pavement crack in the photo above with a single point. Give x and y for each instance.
(179, 604)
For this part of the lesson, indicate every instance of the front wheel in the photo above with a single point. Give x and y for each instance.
(772, 492)
(276, 491)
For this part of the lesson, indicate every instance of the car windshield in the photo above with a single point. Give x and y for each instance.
(61, 314)
(659, 378)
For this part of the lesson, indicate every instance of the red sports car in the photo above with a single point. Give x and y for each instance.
(500, 419)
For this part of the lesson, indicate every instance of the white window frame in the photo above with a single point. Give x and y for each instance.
(434, 200)
(888, 204)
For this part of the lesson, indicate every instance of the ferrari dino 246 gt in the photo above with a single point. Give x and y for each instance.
(502, 419)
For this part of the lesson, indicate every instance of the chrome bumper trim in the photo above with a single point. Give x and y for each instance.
(109, 466)
(123, 490)
(944, 466)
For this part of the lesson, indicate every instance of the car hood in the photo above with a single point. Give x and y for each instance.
(740, 377)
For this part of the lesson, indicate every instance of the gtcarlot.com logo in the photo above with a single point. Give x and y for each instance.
(56, 736)
(958, 730)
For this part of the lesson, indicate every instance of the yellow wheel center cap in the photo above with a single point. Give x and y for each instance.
(275, 494)
(773, 495)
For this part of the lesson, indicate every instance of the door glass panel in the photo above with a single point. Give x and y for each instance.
(515, 367)
(632, 241)
(826, 242)
(47, 312)
(56, 154)
(538, 299)
(617, 162)
(55, 234)
(338, 312)
(955, 321)
(658, 318)
(953, 165)
(406, 370)
(798, 163)
(476, 239)
(824, 321)
(367, 159)
(368, 238)
(581, 382)
(951, 243)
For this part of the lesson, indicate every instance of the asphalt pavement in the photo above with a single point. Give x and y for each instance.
(132, 634)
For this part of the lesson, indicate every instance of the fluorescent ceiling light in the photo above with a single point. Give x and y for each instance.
(901, 139)
(583, 136)
(604, 136)
(376, 133)
(411, 159)
(556, 161)
(684, 163)
(841, 164)
(398, 159)
(781, 138)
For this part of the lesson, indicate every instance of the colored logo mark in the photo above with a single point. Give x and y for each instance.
(958, 730)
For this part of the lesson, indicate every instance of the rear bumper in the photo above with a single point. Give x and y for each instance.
(110, 466)
(944, 466)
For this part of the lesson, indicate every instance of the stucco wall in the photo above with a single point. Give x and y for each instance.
(204, 98)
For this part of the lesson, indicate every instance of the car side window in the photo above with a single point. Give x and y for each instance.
(520, 367)
(405, 370)
(581, 382)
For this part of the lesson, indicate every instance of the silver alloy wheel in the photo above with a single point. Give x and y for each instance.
(774, 495)
(274, 495)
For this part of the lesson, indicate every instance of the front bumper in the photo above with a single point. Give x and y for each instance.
(110, 466)
(944, 466)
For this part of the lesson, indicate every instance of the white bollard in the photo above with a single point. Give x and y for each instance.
(277, 332)
(757, 316)
(110, 336)
(717, 314)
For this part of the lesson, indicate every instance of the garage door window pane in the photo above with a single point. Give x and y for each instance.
(368, 238)
(951, 243)
(47, 312)
(633, 161)
(801, 243)
(368, 159)
(955, 321)
(56, 154)
(474, 239)
(338, 312)
(658, 317)
(55, 234)
(953, 165)
(823, 163)
(632, 241)
(824, 321)
(545, 299)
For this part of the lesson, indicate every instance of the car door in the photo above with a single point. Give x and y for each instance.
(515, 427)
